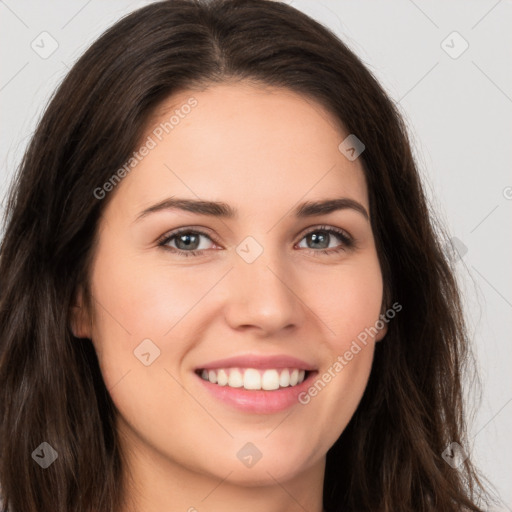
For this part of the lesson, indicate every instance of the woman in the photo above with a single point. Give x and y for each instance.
(172, 336)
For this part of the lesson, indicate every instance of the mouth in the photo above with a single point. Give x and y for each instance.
(256, 383)
(255, 390)
(256, 379)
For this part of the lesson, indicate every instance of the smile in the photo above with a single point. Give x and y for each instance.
(254, 379)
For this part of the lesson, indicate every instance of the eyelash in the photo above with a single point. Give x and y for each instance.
(347, 241)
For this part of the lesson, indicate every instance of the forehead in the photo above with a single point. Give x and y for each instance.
(246, 145)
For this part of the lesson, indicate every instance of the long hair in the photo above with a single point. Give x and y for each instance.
(389, 457)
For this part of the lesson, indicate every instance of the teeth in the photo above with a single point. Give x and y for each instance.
(270, 380)
(284, 378)
(222, 378)
(250, 378)
(235, 379)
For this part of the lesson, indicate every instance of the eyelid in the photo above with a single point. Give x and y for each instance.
(185, 229)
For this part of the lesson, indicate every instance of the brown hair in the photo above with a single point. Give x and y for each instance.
(51, 389)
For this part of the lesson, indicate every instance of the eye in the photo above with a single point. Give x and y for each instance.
(185, 238)
(321, 237)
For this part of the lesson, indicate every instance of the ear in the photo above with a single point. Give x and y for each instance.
(79, 320)
(382, 332)
(384, 328)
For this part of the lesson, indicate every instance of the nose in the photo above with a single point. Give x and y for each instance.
(262, 295)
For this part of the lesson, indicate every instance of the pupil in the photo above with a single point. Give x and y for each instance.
(315, 239)
(187, 237)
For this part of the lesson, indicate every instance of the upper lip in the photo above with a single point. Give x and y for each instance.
(258, 361)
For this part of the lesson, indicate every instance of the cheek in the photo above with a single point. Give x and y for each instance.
(351, 313)
(143, 297)
(348, 300)
(139, 307)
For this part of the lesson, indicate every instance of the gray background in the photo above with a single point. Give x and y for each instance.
(458, 109)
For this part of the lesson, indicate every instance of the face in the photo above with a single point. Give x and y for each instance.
(273, 295)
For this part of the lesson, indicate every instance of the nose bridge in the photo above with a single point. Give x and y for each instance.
(261, 293)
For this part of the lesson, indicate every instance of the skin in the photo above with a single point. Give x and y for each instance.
(261, 150)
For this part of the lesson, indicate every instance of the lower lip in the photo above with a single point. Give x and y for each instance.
(258, 401)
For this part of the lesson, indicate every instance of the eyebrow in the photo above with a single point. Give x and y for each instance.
(223, 210)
